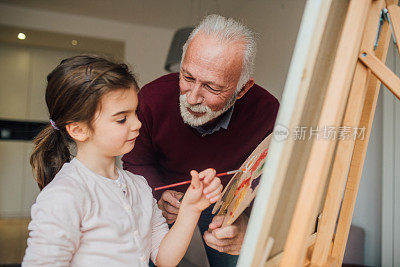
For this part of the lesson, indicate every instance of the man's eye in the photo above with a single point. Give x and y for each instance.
(122, 121)
(211, 89)
(188, 78)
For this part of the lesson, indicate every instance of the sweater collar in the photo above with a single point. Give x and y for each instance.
(222, 123)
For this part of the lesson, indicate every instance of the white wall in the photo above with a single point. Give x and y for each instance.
(391, 169)
(277, 23)
(23, 72)
(368, 208)
(145, 46)
(368, 212)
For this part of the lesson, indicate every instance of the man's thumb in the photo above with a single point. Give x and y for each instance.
(195, 179)
(216, 222)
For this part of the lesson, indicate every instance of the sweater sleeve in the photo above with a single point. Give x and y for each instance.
(142, 160)
(55, 227)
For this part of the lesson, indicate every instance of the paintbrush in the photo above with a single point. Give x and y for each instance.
(188, 181)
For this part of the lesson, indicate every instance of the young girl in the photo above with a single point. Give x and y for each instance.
(89, 212)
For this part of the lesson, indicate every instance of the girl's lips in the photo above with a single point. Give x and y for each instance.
(133, 139)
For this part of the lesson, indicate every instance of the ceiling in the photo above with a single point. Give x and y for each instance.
(158, 13)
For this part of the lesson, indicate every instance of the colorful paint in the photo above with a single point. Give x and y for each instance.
(236, 197)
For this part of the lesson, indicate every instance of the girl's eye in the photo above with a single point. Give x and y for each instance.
(122, 121)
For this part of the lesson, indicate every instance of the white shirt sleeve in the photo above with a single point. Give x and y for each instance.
(55, 227)
(159, 230)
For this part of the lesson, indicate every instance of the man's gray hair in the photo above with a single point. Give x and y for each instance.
(228, 30)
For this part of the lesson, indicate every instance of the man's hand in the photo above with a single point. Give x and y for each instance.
(227, 239)
(169, 205)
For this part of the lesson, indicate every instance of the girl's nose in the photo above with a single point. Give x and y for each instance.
(137, 124)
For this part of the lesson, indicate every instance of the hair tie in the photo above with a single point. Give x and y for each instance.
(54, 125)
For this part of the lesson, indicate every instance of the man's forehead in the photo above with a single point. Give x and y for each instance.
(219, 74)
(209, 54)
(219, 79)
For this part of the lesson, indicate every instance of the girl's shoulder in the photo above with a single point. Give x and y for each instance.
(64, 194)
(68, 180)
(71, 173)
(63, 201)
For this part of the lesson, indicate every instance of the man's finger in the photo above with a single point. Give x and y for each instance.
(216, 222)
(222, 245)
(160, 204)
(233, 249)
(169, 216)
(178, 195)
(170, 209)
(169, 196)
(212, 241)
(170, 221)
(230, 231)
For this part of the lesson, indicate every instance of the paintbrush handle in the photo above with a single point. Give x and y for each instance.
(171, 185)
(188, 181)
(227, 173)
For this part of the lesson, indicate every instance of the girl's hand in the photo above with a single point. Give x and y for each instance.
(204, 190)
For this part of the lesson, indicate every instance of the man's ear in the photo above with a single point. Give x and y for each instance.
(78, 131)
(246, 88)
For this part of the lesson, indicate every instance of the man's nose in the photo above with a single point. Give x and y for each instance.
(194, 96)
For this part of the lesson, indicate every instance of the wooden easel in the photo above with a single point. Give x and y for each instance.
(328, 248)
(350, 100)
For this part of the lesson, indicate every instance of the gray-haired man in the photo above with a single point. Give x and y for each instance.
(211, 114)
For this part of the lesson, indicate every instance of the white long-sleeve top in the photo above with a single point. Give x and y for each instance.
(84, 219)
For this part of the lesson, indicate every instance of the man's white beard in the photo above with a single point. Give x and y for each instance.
(209, 115)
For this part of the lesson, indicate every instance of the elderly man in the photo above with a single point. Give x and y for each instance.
(211, 114)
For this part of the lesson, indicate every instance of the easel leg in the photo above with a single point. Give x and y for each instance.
(359, 153)
(344, 149)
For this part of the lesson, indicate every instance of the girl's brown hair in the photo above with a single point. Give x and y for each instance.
(73, 94)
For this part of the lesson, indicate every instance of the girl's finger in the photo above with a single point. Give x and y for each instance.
(215, 199)
(214, 184)
(195, 179)
(215, 192)
(207, 175)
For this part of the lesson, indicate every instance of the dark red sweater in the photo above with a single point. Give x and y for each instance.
(167, 148)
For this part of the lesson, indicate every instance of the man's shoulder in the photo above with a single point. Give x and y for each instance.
(261, 96)
(257, 110)
(160, 95)
(163, 84)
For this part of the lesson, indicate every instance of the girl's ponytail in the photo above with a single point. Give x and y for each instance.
(49, 154)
